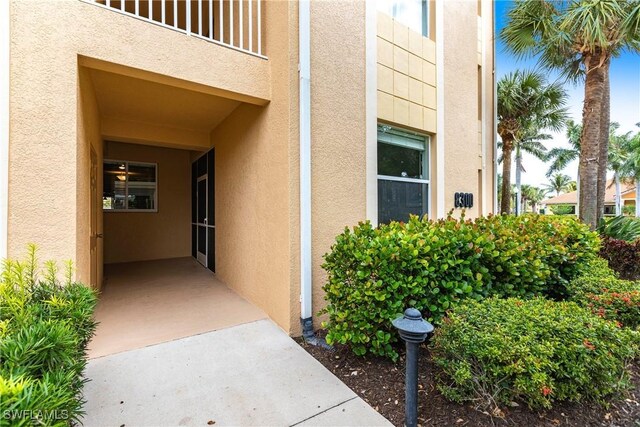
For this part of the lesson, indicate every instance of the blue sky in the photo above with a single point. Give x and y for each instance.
(625, 96)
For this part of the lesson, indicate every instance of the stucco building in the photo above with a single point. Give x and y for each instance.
(243, 133)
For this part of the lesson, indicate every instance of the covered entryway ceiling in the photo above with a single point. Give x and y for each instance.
(146, 112)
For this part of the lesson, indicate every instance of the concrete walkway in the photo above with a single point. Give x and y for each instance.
(251, 374)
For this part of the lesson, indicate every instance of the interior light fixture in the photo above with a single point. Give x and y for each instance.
(121, 167)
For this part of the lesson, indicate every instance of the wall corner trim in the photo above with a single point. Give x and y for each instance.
(5, 69)
(440, 118)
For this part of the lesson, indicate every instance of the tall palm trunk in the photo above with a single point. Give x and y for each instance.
(507, 149)
(590, 141)
(618, 195)
(518, 181)
(603, 156)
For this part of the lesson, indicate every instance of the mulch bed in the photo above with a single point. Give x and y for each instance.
(380, 383)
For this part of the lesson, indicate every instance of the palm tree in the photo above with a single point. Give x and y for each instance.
(572, 186)
(580, 37)
(535, 196)
(631, 166)
(531, 144)
(526, 105)
(558, 183)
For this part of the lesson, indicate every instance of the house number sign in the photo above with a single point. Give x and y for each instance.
(463, 200)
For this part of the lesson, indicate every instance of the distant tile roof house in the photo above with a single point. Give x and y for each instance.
(628, 193)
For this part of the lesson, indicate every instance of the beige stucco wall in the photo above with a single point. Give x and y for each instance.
(337, 127)
(460, 87)
(256, 225)
(251, 180)
(139, 236)
(50, 38)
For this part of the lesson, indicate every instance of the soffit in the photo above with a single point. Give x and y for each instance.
(139, 100)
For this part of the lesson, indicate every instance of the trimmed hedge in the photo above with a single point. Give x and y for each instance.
(535, 351)
(623, 257)
(45, 326)
(375, 273)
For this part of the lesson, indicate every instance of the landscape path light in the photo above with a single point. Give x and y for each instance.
(413, 330)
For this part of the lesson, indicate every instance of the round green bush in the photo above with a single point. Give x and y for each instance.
(373, 274)
(535, 351)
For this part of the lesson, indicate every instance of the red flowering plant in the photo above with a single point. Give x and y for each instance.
(609, 297)
(621, 307)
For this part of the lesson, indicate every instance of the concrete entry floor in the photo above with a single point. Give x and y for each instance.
(149, 302)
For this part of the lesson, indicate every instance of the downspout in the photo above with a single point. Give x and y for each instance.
(5, 44)
(304, 54)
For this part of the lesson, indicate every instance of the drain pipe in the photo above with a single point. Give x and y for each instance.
(304, 69)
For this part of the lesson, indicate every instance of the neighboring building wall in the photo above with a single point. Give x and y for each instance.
(140, 236)
(49, 39)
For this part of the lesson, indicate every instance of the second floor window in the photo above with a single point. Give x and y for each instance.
(412, 13)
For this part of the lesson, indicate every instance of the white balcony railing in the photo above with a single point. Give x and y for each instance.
(236, 24)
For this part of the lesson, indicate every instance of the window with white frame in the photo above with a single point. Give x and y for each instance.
(130, 186)
(403, 174)
(412, 13)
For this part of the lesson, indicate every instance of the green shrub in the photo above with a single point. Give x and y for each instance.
(535, 254)
(45, 325)
(534, 351)
(375, 273)
(563, 209)
(609, 297)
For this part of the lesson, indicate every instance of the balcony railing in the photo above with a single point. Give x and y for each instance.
(236, 24)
